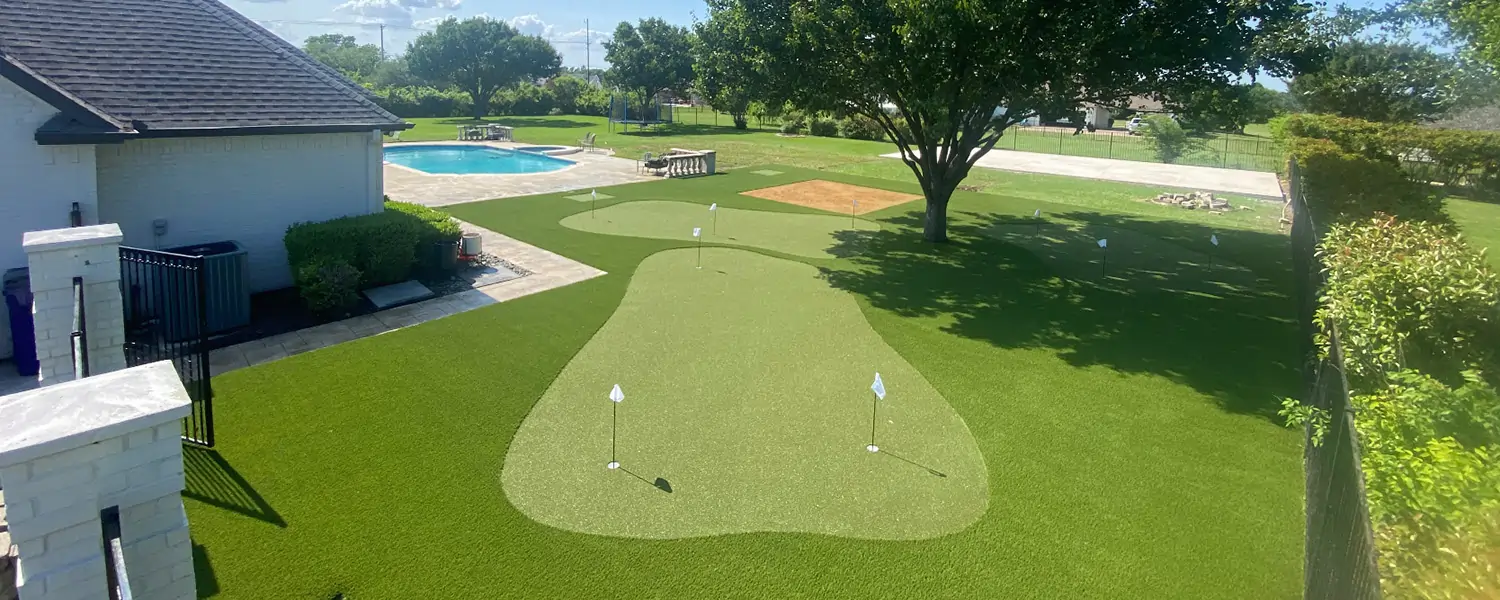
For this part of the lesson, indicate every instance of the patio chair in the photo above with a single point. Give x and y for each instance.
(653, 164)
(587, 143)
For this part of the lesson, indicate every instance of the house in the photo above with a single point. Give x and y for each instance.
(181, 120)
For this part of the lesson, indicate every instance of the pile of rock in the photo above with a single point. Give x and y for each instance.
(1193, 200)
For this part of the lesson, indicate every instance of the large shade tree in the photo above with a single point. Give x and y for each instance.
(480, 56)
(650, 58)
(1386, 81)
(726, 78)
(345, 54)
(935, 74)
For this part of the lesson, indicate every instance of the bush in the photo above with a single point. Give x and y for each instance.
(860, 127)
(329, 286)
(422, 102)
(1348, 186)
(1454, 158)
(823, 127)
(1408, 295)
(793, 123)
(1168, 140)
(526, 100)
(383, 247)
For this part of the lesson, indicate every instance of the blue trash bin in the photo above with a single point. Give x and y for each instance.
(17, 289)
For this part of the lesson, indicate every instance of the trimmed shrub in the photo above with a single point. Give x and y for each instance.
(860, 127)
(329, 286)
(1168, 140)
(793, 123)
(421, 102)
(823, 127)
(383, 247)
(527, 100)
(1451, 157)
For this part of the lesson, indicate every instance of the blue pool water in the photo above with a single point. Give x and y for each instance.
(469, 160)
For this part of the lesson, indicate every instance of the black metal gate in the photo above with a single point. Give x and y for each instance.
(166, 318)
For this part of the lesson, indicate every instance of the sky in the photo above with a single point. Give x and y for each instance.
(560, 21)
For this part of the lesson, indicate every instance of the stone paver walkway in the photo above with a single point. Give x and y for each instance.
(548, 271)
(1183, 177)
(594, 170)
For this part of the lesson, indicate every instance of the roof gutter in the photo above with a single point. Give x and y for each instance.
(60, 138)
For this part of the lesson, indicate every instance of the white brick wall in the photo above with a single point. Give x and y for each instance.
(59, 475)
(38, 184)
(92, 253)
(248, 189)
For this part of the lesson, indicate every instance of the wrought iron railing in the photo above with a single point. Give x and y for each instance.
(80, 336)
(114, 555)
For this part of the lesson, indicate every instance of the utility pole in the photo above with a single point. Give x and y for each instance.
(382, 41)
(588, 47)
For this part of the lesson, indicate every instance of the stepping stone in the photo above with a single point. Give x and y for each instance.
(587, 197)
(483, 275)
(397, 293)
(766, 172)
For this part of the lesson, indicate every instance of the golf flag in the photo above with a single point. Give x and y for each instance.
(697, 231)
(594, 194)
(615, 395)
(713, 207)
(1214, 239)
(878, 387)
(1037, 214)
(1104, 243)
(856, 203)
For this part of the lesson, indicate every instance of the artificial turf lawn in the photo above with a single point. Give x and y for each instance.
(747, 392)
(1127, 432)
(1481, 224)
(802, 235)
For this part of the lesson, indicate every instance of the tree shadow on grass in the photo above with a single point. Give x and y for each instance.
(211, 480)
(670, 129)
(1226, 330)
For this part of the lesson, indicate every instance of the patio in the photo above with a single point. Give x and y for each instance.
(593, 170)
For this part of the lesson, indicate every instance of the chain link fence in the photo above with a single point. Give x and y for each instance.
(1340, 560)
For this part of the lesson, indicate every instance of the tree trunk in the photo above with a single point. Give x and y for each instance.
(740, 122)
(935, 227)
(481, 105)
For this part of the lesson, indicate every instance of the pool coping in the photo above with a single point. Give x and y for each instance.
(572, 164)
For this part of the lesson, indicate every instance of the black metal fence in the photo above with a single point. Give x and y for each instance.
(80, 336)
(166, 318)
(1221, 150)
(1341, 558)
(114, 555)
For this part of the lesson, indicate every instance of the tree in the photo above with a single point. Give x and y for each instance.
(1476, 23)
(1385, 81)
(649, 59)
(726, 79)
(344, 54)
(1167, 139)
(934, 73)
(480, 56)
(1227, 108)
(394, 72)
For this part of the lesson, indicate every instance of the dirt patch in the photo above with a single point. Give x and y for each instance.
(832, 197)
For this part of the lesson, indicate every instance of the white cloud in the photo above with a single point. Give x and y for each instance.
(531, 25)
(391, 12)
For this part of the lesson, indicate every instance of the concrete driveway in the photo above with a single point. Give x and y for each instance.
(1183, 177)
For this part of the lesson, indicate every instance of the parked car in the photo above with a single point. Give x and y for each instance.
(1135, 125)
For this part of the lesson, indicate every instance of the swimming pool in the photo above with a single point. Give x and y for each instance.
(472, 160)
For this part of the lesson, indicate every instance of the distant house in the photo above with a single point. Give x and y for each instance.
(182, 121)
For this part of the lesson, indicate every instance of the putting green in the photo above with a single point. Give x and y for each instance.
(747, 392)
(797, 234)
(1072, 250)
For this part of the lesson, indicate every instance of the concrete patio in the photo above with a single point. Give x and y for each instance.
(593, 170)
(548, 271)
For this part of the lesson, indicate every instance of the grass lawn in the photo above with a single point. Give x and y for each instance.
(762, 145)
(803, 235)
(1124, 426)
(1480, 222)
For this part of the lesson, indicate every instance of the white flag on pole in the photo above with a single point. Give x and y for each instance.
(697, 231)
(594, 194)
(1104, 243)
(856, 203)
(1214, 239)
(878, 387)
(713, 207)
(615, 395)
(1037, 214)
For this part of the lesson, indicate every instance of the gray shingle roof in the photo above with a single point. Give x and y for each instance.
(177, 65)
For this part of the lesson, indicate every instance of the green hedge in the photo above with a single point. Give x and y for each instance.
(384, 248)
(423, 102)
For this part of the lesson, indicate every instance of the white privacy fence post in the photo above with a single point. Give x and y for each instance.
(55, 258)
(73, 450)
